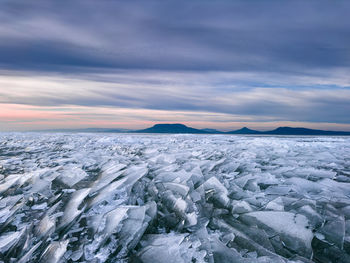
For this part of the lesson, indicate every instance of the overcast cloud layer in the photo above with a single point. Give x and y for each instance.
(138, 62)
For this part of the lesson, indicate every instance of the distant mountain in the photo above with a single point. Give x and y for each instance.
(244, 130)
(181, 128)
(211, 131)
(303, 131)
(171, 128)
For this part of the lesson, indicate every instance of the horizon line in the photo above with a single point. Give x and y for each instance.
(206, 130)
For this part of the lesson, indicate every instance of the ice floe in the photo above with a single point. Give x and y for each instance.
(173, 198)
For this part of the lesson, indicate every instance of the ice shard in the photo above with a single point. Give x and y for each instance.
(173, 198)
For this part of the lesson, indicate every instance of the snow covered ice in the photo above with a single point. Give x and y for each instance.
(173, 198)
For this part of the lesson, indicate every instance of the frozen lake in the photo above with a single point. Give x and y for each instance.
(173, 198)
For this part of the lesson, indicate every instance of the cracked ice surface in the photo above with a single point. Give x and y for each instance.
(173, 198)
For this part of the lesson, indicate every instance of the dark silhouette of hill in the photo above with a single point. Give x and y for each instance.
(244, 130)
(303, 131)
(207, 130)
(171, 128)
(181, 128)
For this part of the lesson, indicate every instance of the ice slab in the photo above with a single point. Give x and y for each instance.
(293, 229)
(71, 175)
(72, 208)
(208, 198)
(54, 252)
(9, 239)
(216, 191)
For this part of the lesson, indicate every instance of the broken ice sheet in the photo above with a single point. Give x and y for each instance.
(109, 173)
(54, 252)
(293, 229)
(71, 175)
(72, 210)
(174, 248)
(9, 239)
(120, 197)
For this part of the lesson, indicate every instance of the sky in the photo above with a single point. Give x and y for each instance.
(207, 64)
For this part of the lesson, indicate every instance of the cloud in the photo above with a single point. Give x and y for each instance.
(180, 91)
(245, 61)
(238, 36)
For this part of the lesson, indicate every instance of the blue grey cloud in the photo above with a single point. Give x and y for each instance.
(183, 91)
(284, 36)
(263, 60)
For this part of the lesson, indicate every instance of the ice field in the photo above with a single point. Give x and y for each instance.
(173, 198)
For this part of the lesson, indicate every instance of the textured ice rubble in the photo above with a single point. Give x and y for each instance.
(173, 198)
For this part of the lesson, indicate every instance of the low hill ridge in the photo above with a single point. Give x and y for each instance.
(171, 128)
(181, 128)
